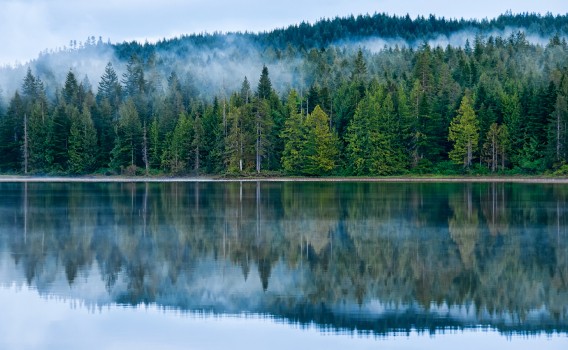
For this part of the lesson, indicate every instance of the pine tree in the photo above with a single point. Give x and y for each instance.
(372, 147)
(234, 143)
(464, 133)
(558, 128)
(154, 144)
(264, 89)
(320, 151)
(60, 127)
(127, 149)
(82, 143)
(294, 136)
(511, 106)
(11, 135)
(37, 143)
(213, 138)
(110, 89)
(197, 143)
(263, 118)
(177, 154)
(71, 94)
(496, 147)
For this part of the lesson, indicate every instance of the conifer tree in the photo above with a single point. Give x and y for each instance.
(109, 89)
(82, 143)
(293, 135)
(464, 133)
(127, 148)
(177, 154)
(558, 129)
(320, 151)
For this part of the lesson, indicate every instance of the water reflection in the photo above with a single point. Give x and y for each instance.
(375, 257)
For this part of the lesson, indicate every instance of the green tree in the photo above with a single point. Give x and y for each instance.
(372, 147)
(82, 143)
(320, 151)
(154, 144)
(263, 118)
(496, 146)
(11, 134)
(558, 128)
(127, 149)
(464, 133)
(293, 135)
(511, 109)
(177, 154)
(38, 142)
(110, 90)
(213, 138)
(197, 143)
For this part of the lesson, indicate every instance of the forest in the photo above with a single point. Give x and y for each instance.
(316, 107)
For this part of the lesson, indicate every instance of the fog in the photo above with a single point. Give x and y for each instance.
(217, 68)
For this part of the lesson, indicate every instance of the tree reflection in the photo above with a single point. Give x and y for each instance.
(318, 251)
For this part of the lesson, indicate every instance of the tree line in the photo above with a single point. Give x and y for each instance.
(495, 105)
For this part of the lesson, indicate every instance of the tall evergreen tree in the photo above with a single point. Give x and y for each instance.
(320, 151)
(109, 89)
(82, 143)
(11, 135)
(126, 154)
(464, 133)
(263, 118)
(558, 129)
(294, 136)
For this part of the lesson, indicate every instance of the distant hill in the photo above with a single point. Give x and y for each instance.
(371, 32)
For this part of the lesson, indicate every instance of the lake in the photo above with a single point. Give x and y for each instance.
(278, 265)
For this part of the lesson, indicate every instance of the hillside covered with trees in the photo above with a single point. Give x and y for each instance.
(321, 103)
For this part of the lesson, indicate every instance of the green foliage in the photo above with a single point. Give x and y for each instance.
(351, 112)
(319, 152)
(372, 147)
(127, 149)
(82, 143)
(293, 135)
(176, 155)
(464, 132)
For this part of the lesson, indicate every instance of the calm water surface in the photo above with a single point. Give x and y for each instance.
(281, 265)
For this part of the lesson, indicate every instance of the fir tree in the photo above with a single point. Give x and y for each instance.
(464, 133)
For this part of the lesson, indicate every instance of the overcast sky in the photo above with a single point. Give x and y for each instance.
(30, 26)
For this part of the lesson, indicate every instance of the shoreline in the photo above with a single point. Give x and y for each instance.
(396, 179)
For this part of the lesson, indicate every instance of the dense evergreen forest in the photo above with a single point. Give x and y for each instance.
(317, 106)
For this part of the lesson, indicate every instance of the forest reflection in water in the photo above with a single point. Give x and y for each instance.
(375, 257)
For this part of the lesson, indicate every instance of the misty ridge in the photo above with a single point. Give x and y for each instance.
(365, 96)
(216, 64)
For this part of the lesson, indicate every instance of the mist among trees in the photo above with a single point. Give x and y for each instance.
(314, 105)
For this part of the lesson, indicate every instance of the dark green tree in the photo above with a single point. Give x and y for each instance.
(126, 154)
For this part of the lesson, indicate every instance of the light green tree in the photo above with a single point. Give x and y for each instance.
(321, 145)
(464, 133)
(293, 135)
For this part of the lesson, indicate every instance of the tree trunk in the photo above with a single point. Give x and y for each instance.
(145, 151)
(196, 159)
(26, 151)
(469, 153)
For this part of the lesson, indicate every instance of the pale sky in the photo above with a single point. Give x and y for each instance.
(30, 26)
